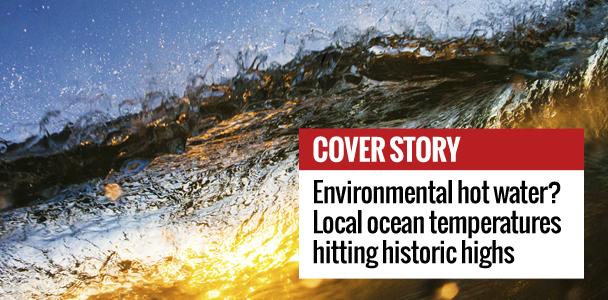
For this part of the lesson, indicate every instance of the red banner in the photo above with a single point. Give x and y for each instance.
(441, 149)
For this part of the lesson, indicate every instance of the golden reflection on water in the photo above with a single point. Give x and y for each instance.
(260, 262)
(256, 264)
(243, 268)
(589, 112)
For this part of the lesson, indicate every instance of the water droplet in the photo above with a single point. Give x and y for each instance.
(112, 191)
(448, 291)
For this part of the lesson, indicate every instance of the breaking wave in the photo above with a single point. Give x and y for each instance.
(195, 193)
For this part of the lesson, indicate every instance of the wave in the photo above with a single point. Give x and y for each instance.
(539, 47)
(27, 92)
(198, 195)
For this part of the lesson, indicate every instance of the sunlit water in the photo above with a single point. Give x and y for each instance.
(216, 217)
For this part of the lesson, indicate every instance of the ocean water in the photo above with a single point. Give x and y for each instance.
(191, 191)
